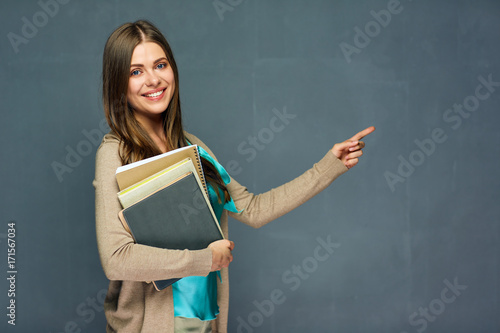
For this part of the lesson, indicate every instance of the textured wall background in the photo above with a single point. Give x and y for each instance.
(414, 227)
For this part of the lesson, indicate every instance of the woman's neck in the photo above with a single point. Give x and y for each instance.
(154, 128)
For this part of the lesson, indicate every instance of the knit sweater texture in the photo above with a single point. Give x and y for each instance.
(132, 305)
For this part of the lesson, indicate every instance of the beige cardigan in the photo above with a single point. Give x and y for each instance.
(133, 305)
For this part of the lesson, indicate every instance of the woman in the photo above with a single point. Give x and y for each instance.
(142, 107)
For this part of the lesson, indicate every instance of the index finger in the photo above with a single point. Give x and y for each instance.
(363, 133)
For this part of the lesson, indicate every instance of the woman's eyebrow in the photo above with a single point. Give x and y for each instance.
(156, 61)
(161, 59)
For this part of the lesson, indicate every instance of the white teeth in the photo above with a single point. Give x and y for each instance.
(156, 94)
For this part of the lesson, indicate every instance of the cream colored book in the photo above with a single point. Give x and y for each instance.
(140, 190)
(133, 173)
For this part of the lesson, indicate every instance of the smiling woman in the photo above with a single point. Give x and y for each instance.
(150, 89)
(142, 107)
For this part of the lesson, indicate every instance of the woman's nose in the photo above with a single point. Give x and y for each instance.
(152, 79)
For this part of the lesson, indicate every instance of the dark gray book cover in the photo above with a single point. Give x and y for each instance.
(175, 217)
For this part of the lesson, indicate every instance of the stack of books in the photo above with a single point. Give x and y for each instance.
(165, 203)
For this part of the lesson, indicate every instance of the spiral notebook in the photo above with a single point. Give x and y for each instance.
(174, 217)
(151, 184)
(133, 173)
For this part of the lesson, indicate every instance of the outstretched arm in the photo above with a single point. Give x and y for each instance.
(260, 209)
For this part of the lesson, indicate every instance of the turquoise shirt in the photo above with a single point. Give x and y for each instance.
(196, 296)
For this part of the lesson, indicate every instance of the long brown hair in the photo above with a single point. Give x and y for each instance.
(135, 143)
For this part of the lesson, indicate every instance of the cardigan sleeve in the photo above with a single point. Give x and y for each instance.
(260, 209)
(121, 257)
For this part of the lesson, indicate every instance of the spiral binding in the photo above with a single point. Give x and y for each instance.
(200, 169)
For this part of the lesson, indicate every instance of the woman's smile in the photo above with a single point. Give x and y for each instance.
(155, 95)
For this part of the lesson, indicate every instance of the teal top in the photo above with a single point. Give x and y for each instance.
(196, 296)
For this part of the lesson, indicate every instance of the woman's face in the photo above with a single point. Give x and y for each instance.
(151, 84)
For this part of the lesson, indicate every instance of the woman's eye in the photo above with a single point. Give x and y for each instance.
(162, 66)
(135, 72)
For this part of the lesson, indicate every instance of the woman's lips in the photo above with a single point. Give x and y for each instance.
(154, 96)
